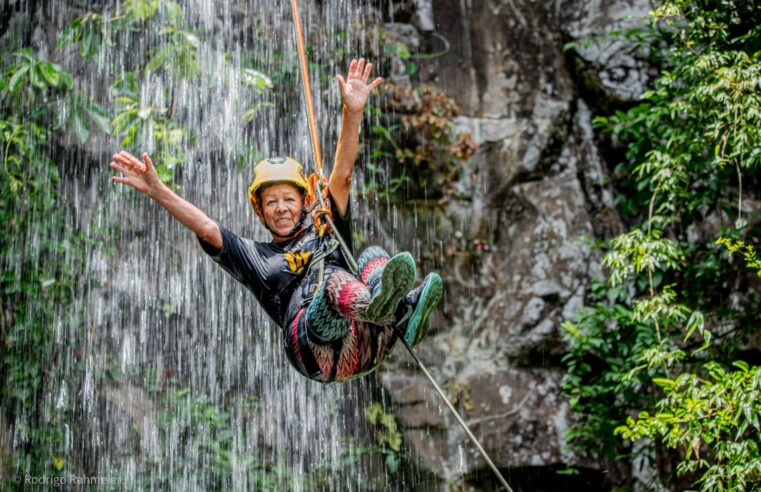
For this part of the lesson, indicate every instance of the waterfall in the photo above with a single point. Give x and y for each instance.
(164, 373)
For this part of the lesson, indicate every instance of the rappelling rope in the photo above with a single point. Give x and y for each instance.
(307, 91)
(322, 213)
(325, 212)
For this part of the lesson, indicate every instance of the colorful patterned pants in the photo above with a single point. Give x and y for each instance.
(330, 339)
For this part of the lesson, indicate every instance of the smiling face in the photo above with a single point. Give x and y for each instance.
(281, 206)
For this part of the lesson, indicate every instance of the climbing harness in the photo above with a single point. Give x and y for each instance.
(324, 213)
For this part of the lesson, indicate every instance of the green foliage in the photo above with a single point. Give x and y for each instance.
(746, 250)
(216, 434)
(177, 54)
(655, 341)
(86, 113)
(169, 47)
(259, 83)
(346, 468)
(719, 412)
(40, 271)
(31, 74)
(159, 43)
(137, 122)
(600, 384)
(427, 152)
(388, 438)
(41, 106)
(88, 31)
(400, 51)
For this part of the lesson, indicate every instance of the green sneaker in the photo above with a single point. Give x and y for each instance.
(419, 305)
(397, 279)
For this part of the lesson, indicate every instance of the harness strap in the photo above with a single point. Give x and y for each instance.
(319, 261)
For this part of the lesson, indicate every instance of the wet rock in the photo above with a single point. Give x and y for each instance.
(6, 448)
(517, 414)
(619, 69)
(540, 192)
(416, 399)
(424, 15)
(132, 403)
(401, 37)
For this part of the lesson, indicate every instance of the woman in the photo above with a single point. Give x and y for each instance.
(336, 326)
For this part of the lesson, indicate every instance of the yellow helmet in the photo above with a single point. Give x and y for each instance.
(275, 170)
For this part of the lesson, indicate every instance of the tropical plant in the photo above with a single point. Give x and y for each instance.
(37, 285)
(651, 359)
(427, 152)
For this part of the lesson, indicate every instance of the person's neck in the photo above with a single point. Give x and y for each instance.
(284, 239)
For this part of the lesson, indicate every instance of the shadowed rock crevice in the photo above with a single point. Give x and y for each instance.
(543, 479)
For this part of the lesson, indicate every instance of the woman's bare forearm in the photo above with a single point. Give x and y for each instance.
(188, 214)
(346, 156)
(143, 177)
(354, 92)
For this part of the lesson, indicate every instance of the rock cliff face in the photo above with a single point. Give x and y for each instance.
(539, 200)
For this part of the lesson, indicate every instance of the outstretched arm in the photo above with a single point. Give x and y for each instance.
(354, 93)
(142, 176)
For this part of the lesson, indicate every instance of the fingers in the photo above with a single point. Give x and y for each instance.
(375, 83)
(360, 68)
(116, 167)
(125, 158)
(366, 73)
(130, 161)
(357, 69)
(147, 160)
(341, 83)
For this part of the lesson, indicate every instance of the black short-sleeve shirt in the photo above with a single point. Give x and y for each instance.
(279, 275)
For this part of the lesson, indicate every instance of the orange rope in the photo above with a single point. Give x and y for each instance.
(307, 89)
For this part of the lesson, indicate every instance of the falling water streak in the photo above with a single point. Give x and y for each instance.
(160, 316)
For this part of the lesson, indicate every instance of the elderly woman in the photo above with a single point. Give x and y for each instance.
(335, 326)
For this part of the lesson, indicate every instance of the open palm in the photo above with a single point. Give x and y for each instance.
(140, 175)
(355, 89)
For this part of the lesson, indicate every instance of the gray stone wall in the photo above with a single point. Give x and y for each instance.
(540, 198)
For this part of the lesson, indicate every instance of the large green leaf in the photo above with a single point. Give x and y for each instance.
(17, 78)
(52, 73)
(175, 13)
(89, 44)
(255, 79)
(158, 60)
(190, 38)
(36, 77)
(141, 10)
(124, 121)
(70, 34)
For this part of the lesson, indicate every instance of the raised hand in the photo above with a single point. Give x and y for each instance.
(140, 175)
(355, 89)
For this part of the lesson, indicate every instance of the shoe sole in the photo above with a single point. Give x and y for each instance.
(417, 325)
(397, 279)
